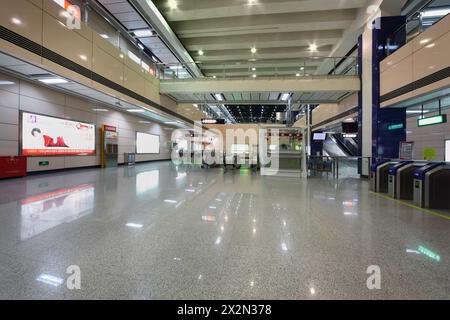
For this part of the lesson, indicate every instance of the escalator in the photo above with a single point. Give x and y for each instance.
(337, 146)
(349, 144)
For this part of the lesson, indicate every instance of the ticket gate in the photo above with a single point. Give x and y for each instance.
(404, 180)
(419, 182)
(374, 173)
(437, 188)
(382, 175)
(394, 176)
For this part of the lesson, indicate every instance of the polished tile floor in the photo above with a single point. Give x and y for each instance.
(158, 232)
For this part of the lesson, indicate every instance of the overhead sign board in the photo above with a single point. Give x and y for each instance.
(213, 121)
(429, 121)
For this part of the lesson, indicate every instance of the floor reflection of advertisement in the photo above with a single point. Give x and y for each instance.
(45, 211)
(47, 136)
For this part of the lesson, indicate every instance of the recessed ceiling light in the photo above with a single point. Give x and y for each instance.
(200, 52)
(302, 68)
(253, 50)
(104, 36)
(140, 46)
(313, 47)
(16, 21)
(83, 57)
(143, 33)
(297, 74)
(5, 83)
(214, 77)
(253, 69)
(435, 13)
(136, 110)
(100, 110)
(416, 111)
(145, 122)
(285, 96)
(53, 80)
(172, 4)
(254, 76)
(219, 96)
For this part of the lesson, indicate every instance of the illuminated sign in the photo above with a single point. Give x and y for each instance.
(49, 136)
(395, 126)
(442, 118)
(213, 121)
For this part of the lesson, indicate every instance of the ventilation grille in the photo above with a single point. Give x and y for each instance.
(20, 41)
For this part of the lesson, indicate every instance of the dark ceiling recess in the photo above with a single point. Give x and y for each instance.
(254, 113)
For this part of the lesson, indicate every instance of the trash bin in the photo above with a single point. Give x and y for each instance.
(129, 159)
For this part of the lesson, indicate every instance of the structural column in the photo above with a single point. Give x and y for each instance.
(375, 139)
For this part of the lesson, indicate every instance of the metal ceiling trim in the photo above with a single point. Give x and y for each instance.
(155, 19)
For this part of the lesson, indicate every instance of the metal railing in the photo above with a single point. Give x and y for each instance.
(302, 67)
(428, 15)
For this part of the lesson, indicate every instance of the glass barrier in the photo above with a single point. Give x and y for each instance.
(431, 13)
(336, 167)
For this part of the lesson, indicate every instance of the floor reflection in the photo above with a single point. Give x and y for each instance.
(47, 210)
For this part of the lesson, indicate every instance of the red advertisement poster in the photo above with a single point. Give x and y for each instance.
(49, 136)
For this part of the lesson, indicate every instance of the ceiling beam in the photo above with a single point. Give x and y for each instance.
(257, 24)
(329, 83)
(261, 41)
(213, 9)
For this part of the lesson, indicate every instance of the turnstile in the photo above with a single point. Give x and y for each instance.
(437, 188)
(394, 176)
(419, 182)
(374, 173)
(381, 176)
(404, 180)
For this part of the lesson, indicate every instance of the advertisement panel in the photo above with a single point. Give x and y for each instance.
(447, 151)
(49, 136)
(146, 143)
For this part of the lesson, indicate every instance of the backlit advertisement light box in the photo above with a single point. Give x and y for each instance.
(147, 143)
(447, 151)
(49, 136)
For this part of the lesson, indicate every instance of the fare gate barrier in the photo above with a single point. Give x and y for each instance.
(419, 182)
(437, 188)
(374, 173)
(393, 175)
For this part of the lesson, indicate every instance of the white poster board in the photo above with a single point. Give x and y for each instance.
(147, 143)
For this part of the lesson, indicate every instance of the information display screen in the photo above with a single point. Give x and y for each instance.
(447, 151)
(50, 136)
(319, 136)
(349, 127)
(147, 143)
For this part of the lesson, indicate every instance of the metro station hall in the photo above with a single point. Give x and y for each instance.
(236, 150)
